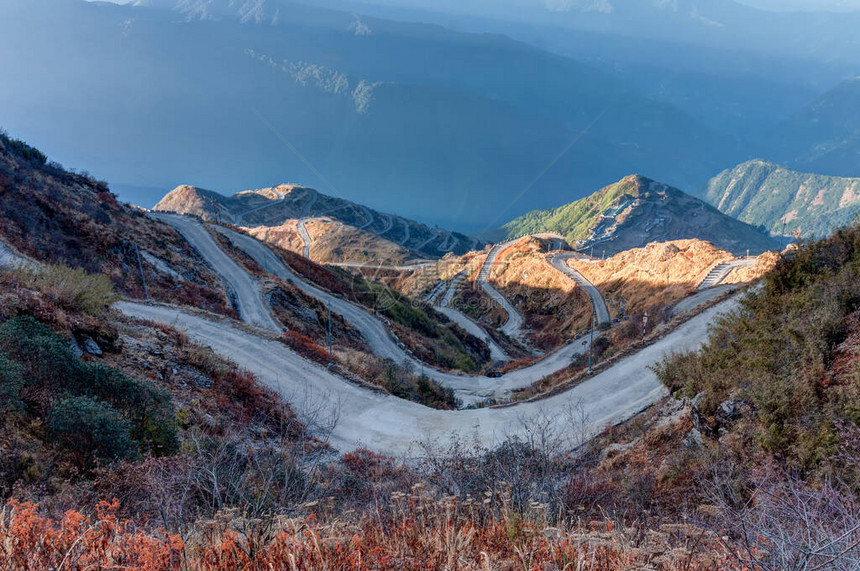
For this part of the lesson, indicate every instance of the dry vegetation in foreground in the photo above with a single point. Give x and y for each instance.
(416, 532)
(246, 486)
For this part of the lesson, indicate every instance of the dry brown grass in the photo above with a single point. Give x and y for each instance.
(72, 289)
(285, 236)
(644, 276)
(419, 532)
(764, 263)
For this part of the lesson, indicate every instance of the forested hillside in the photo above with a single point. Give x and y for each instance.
(784, 201)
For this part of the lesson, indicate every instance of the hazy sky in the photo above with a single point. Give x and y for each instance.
(840, 5)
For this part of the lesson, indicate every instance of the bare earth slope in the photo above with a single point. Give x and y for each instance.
(53, 215)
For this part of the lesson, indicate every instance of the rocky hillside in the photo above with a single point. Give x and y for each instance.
(53, 215)
(636, 211)
(382, 237)
(784, 201)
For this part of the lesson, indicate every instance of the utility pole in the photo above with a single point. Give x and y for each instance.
(330, 350)
(644, 324)
(591, 343)
(142, 277)
(667, 284)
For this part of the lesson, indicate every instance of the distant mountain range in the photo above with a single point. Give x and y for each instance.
(783, 201)
(636, 211)
(439, 126)
(357, 233)
(824, 136)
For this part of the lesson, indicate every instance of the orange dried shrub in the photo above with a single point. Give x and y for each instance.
(306, 347)
(419, 533)
(76, 542)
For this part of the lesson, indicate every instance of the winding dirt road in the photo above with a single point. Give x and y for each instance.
(513, 327)
(443, 305)
(306, 238)
(470, 389)
(9, 259)
(388, 425)
(559, 262)
(282, 196)
(249, 300)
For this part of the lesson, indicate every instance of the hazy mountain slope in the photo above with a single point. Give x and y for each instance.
(730, 86)
(823, 137)
(713, 23)
(782, 200)
(416, 119)
(636, 211)
(375, 236)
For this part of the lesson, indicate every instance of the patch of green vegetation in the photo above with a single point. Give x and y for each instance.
(776, 352)
(456, 349)
(25, 151)
(418, 388)
(92, 411)
(574, 220)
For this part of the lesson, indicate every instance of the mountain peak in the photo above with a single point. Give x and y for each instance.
(280, 207)
(635, 211)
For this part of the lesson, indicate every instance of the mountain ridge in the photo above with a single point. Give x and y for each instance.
(783, 200)
(473, 124)
(275, 207)
(635, 211)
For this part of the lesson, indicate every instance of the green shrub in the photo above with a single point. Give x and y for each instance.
(89, 428)
(44, 357)
(148, 409)
(11, 383)
(43, 369)
(777, 350)
(25, 151)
